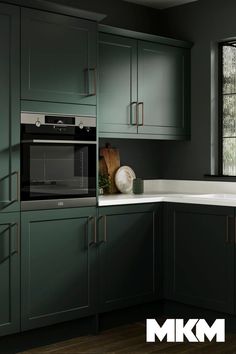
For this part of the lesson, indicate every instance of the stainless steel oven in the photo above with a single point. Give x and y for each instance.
(58, 161)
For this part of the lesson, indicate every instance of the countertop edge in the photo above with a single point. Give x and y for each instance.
(117, 200)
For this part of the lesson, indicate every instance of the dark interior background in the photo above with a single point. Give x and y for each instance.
(205, 23)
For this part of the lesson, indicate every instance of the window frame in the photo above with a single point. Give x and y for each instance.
(220, 107)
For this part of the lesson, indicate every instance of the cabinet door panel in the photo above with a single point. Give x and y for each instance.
(199, 256)
(163, 88)
(128, 259)
(117, 84)
(9, 108)
(56, 266)
(57, 52)
(9, 273)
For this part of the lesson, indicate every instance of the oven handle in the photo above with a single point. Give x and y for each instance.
(40, 141)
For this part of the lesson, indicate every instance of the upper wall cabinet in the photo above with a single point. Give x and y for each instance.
(58, 58)
(144, 89)
(163, 92)
(118, 84)
(9, 108)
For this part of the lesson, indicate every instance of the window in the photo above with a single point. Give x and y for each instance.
(228, 108)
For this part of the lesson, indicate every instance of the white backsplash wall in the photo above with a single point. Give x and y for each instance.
(181, 186)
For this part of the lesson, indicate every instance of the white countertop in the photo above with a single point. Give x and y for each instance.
(207, 199)
(193, 192)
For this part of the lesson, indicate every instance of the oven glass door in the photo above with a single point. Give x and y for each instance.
(54, 170)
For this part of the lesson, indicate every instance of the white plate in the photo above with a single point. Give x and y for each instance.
(124, 179)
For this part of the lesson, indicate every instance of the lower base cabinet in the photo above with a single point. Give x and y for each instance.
(128, 255)
(199, 243)
(9, 273)
(57, 266)
(85, 261)
(68, 264)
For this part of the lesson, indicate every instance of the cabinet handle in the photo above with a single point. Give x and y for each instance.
(17, 251)
(11, 201)
(142, 105)
(105, 228)
(136, 113)
(235, 230)
(104, 218)
(230, 224)
(227, 231)
(94, 70)
(94, 241)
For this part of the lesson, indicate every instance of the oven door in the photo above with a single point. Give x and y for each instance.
(57, 174)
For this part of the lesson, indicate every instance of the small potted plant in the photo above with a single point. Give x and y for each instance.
(104, 184)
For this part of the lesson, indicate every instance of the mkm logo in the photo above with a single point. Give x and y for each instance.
(175, 330)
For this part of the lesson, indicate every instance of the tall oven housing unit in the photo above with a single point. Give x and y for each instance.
(58, 161)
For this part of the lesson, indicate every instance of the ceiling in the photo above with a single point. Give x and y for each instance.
(160, 4)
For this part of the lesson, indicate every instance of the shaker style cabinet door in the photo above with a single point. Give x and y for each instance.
(199, 256)
(9, 273)
(9, 108)
(58, 264)
(58, 58)
(117, 85)
(163, 90)
(128, 259)
(144, 87)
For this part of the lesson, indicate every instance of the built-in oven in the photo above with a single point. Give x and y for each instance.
(58, 161)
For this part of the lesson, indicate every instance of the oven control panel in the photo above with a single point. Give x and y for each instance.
(39, 119)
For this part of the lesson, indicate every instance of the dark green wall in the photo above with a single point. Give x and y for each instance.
(204, 22)
(120, 13)
(141, 155)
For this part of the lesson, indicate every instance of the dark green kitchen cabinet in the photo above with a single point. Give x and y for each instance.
(144, 86)
(9, 273)
(163, 90)
(58, 58)
(117, 84)
(9, 108)
(128, 255)
(58, 265)
(199, 255)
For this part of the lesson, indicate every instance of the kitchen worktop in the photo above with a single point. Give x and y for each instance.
(193, 192)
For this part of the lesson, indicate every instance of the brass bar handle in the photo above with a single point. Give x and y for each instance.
(105, 228)
(227, 230)
(94, 93)
(17, 250)
(94, 241)
(17, 186)
(18, 238)
(7, 228)
(235, 230)
(136, 113)
(11, 201)
(142, 105)
(230, 226)
(104, 219)
(86, 83)
(95, 230)
(11, 225)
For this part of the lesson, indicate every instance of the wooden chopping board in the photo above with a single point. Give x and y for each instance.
(111, 158)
